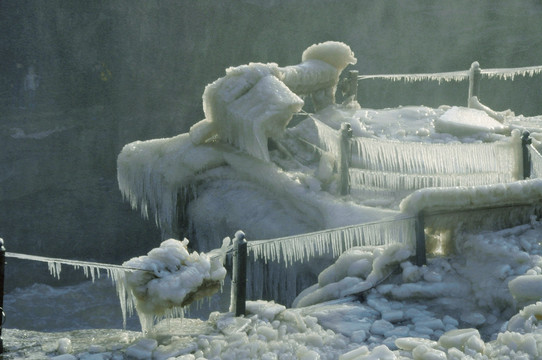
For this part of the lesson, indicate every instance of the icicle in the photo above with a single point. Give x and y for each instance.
(536, 161)
(54, 268)
(439, 77)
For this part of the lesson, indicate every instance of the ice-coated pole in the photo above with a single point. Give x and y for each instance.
(349, 87)
(2, 274)
(344, 181)
(475, 75)
(239, 276)
(525, 142)
(421, 257)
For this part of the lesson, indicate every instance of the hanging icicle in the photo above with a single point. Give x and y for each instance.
(302, 248)
(458, 75)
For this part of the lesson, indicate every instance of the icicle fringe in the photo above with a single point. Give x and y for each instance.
(301, 248)
(503, 74)
(382, 164)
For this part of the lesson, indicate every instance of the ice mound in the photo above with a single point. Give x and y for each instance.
(171, 277)
(460, 121)
(356, 270)
(526, 287)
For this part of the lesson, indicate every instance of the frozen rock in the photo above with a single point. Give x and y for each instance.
(380, 327)
(457, 338)
(423, 352)
(142, 349)
(434, 324)
(93, 349)
(393, 316)
(355, 354)
(432, 276)
(410, 343)
(264, 309)
(64, 357)
(64, 346)
(474, 319)
(526, 287)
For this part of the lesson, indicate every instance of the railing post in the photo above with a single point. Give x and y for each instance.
(421, 256)
(349, 87)
(525, 142)
(475, 75)
(2, 275)
(344, 181)
(239, 276)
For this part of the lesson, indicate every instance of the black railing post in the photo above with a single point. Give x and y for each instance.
(239, 276)
(344, 181)
(475, 75)
(2, 275)
(525, 142)
(421, 256)
(349, 87)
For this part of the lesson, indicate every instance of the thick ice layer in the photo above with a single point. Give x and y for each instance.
(174, 278)
(245, 110)
(464, 121)
(151, 174)
(463, 198)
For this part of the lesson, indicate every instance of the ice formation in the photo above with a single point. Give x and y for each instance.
(357, 270)
(171, 277)
(245, 108)
(466, 121)
(394, 165)
(459, 75)
(151, 174)
(255, 102)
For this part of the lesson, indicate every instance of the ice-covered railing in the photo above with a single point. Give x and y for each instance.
(473, 75)
(504, 73)
(301, 248)
(118, 276)
(91, 269)
(378, 165)
(394, 165)
(296, 253)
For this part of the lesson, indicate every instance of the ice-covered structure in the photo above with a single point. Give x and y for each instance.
(170, 278)
(243, 109)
